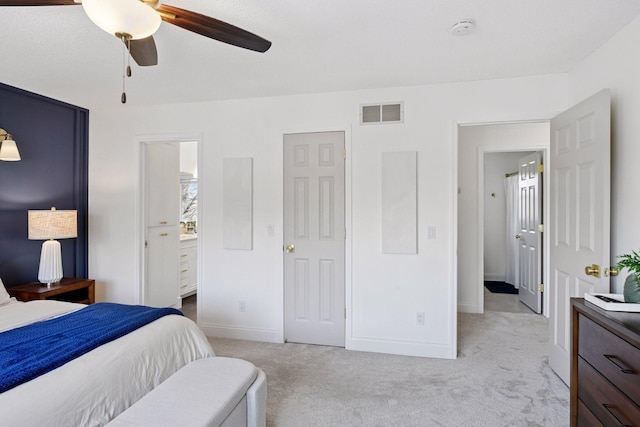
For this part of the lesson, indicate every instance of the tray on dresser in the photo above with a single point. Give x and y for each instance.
(618, 305)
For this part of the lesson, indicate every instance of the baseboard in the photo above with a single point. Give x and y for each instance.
(495, 277)
(235, 333)
(402, 348)
(469, 308)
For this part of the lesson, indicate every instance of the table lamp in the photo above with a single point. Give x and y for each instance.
(49, 225)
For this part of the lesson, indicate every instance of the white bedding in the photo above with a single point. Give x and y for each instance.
(94, 388)
(18, 314)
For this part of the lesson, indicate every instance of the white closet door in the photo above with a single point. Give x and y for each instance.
(162, 233)
(314, 233)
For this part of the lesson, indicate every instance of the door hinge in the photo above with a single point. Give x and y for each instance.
(541, 228)
(344, 153)
(146, 244)
(541, 287)
(345, 313)
(541, 168)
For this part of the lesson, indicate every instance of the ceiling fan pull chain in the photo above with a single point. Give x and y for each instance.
(123, 98)
(129, 57)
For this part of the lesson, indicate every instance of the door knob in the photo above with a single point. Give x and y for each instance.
(518, 236)
(592, 270)
(290, 249)
(611, 271)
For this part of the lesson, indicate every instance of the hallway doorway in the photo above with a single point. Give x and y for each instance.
(475, 142)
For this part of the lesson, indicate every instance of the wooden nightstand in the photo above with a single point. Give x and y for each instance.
(71, 290)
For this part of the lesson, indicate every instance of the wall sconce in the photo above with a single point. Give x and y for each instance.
(9, 149)
(48, 226)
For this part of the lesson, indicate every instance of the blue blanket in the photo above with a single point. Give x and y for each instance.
(33, 350)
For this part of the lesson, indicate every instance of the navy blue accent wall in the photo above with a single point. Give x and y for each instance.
(52, 138)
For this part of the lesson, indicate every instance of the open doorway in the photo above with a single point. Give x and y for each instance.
(475, 142)
(512, 253)
(169, 222)
(576, 138)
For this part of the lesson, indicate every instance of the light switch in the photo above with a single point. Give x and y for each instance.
(431, 232)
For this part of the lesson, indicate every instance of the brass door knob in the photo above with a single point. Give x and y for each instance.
(518, 236)
(290, 249)
(610, 272)
(592, 270)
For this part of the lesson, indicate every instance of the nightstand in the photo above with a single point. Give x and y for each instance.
(68, 289)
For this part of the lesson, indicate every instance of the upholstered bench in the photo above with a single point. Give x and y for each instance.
(215, 391)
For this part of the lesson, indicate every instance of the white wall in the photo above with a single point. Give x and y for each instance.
(189, 158)
(496, 165)
(473, 143)
(616, 65)
(383, 291)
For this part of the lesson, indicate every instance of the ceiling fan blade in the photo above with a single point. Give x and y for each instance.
(144, 51)
(38, 3)
(212, 28)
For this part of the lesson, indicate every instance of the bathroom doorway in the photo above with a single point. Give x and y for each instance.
(169, 222)
(511, 264)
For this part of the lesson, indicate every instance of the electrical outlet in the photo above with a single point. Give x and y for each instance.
(242, 306)
(420, 318)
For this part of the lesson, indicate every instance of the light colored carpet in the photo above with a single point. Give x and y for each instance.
(501, 378)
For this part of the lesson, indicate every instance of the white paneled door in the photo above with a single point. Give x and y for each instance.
(529, 235)
(579, 226)
(314, 238)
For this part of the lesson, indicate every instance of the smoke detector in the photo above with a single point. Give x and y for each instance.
(463, 27)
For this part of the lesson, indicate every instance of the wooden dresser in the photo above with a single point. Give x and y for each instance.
(605, 366)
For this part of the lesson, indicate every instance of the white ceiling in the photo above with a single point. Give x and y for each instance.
(318, 46)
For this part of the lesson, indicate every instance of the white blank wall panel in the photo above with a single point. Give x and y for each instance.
(399, 203)
(237, 210)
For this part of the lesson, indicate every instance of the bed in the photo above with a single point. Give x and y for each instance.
(94, 388)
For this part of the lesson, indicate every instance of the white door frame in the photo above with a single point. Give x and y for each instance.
(482, 150)
(140, 214)
(348, 216)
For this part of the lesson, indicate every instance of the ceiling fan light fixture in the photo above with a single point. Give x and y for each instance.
(123, 16)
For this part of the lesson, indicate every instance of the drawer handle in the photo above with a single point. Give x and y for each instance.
(606, 406)
(184, 271)
(610, 358)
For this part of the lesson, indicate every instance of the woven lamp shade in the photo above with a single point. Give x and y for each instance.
(53, 224)
(50, 225)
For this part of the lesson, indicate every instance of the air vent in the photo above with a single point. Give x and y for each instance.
(381, 113)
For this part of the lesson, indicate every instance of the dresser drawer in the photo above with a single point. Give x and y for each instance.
(606, 402)
(586, 417)
(613, 357)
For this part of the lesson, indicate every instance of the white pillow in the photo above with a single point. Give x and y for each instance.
(4, 295)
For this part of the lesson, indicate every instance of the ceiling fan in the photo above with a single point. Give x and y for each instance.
(135, 21)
